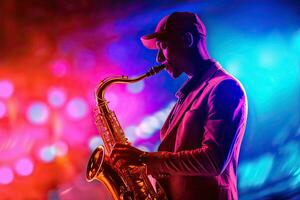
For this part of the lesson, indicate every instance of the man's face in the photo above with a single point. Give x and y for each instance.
(170, 53)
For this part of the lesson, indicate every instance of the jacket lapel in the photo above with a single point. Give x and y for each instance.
(187, 103)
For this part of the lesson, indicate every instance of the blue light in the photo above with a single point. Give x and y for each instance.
(255, 173)
(38, 113)
(136, 87)
(296, 42)
(47, 154)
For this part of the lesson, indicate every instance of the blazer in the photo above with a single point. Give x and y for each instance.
(200, 147)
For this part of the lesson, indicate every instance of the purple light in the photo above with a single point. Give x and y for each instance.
(59, 67)
(38, 113)
(6, 89)
(24, 167)
(2, 109)
(6, 175)
(136, 87)
(56, 97)
(77, 108)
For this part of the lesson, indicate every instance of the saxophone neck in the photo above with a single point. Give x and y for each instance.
(123, 79)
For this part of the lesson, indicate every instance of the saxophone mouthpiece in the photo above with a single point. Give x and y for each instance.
(154, 70)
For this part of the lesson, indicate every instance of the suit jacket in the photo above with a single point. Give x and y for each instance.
(200, 147)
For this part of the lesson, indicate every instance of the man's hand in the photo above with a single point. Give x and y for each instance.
(125, 155)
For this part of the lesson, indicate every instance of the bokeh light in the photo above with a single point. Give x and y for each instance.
(77, 108)
(24, 166)
(47, 154)
(6, 175)
(56, 97)
(38, 113)
(6, 88)
(59, 67)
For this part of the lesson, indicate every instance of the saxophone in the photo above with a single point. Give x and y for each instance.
(131, 183)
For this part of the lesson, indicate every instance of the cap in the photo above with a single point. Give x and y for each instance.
(174, 23)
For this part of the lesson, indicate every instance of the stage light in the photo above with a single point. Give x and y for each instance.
(296, 180)
(136, 87)
(2, 109)
(6, 175)
(47, 153)
(56, 97)
(95, 142)
(148, 127)
(254, 173)
(59, 67)
(130, 133)
(6, 89)
(61, 148)
(38, 113)
(24, 167)
(77, 108)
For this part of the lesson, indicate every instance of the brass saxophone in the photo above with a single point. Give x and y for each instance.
(123, 184)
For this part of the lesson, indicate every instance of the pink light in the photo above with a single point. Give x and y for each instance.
(38, 113)
(56, 97)
(77, 108)
(6, 89)
(59, 67)
(2, 109)
(6, 175)
(24, 167)
(112, 98)
(61, 148)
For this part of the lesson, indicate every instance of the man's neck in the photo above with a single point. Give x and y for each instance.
(198, 67)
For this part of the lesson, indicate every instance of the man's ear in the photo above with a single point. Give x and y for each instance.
(188, 39)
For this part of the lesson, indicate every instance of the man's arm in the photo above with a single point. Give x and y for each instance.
(226, 117)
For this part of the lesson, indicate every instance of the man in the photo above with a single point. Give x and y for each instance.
(201, 138)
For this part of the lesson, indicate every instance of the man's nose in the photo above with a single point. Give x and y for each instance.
(160, 56)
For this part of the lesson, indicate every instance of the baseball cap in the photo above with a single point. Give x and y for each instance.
(174, 23)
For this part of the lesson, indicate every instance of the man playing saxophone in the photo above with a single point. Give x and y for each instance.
(201, 138)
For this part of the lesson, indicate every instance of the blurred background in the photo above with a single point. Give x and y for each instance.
(53, 54)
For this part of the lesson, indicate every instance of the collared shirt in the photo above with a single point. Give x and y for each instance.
(188, 86)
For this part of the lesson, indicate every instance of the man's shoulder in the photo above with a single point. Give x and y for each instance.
(222, 81)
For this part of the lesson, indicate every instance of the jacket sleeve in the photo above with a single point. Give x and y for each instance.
(225, 123)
